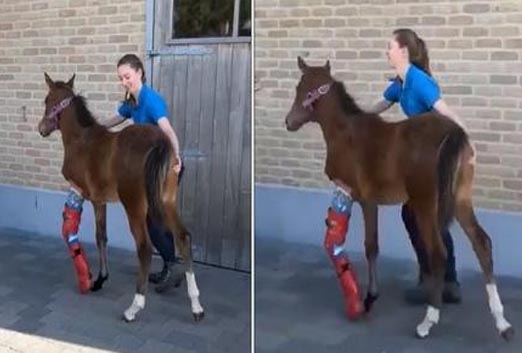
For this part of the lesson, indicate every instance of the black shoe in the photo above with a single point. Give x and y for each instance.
(451, 293)
(418, 296)
(172, 280)
(158, 277)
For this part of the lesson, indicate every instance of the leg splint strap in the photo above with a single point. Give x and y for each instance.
(337, 227)
(71, 222)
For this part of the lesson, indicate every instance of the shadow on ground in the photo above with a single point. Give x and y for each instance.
(298, 308)
(41, 310)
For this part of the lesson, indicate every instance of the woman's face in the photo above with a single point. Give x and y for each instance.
(396, 54)
(130, 79)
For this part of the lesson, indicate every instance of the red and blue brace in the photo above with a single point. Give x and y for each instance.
(71, 221)
(337, 227)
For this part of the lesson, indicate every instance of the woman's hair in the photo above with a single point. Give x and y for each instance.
(135, 63)
(416, 48)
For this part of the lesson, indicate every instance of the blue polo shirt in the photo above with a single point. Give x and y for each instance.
(149, 109)
(417, 95)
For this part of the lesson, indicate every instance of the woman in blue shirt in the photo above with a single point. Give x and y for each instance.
(145, 106)
(417, 92)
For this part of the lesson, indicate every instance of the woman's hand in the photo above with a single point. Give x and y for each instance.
(113, 121)
(380, 107)
(177, 166)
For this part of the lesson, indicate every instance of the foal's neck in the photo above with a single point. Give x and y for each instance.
(73, 133)
(334, 125)
(336, 114)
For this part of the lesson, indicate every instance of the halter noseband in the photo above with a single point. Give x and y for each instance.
(314, 95)
(54, 115)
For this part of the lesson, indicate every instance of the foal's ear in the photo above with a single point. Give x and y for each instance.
(327, 66)
(70, 83)
(49, 80)
(301, 64)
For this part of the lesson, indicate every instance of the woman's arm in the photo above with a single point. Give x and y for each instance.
(441, 107)
(380, 107)
(165, 126)
(114, 121)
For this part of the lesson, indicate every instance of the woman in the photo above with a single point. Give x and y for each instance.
(417, 92)
(145, 106)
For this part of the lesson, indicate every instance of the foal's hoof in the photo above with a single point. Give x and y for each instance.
(508, 333)
(198, 316)
(421, 335)
(98, 284)
(129, 315)
(369, 300)
(423, 329)
(128, 319)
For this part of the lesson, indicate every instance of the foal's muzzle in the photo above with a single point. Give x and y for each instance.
(296, 118)
(291, 126)
(45, 128)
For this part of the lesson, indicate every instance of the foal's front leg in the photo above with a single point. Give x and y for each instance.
(337, 227)
(100, 213)
(371, 245)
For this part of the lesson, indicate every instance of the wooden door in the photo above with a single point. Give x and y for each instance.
(206, 83)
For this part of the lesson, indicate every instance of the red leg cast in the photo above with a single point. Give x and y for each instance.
(71, 222)
(337, 224)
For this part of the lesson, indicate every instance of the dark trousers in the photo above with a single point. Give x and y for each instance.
(161, 238)
(411, 226)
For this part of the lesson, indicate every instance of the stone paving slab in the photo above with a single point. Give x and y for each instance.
(298, 308)
(41, 310)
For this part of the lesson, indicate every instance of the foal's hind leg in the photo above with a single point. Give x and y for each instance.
(138, 225)
(482, 246)
(371, 245)
(426, 217)
(183, 243)
(100, 213)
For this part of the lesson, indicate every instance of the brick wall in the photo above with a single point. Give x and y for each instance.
(476, 55)
(60, 37)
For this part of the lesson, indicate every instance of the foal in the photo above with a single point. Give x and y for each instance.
(134, 166)
(426, 162)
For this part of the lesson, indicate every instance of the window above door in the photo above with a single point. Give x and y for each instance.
(210, 21)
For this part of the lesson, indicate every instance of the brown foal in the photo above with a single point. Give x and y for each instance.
(133, 166)
(426, 162)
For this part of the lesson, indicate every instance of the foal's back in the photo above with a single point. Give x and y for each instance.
(116, 160)
(396, 157)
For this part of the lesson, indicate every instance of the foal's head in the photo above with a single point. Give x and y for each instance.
(58, 98)
(315, 82)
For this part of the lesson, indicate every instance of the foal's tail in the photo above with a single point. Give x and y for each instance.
(449, 154)
(156, 169)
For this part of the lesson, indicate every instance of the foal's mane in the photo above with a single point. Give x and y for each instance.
(347, 102)
(84, 116)
(349, 106)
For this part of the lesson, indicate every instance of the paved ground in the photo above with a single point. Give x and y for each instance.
(298, 308)
(41, 311)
